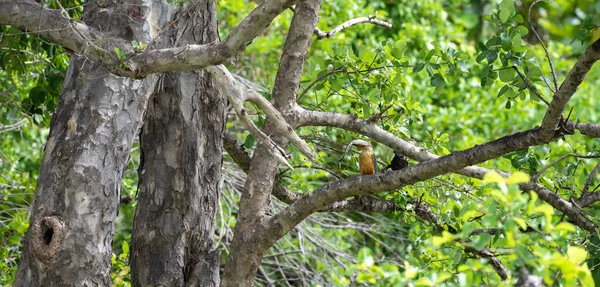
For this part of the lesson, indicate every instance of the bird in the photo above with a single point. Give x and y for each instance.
(398, 162)
(367, 160)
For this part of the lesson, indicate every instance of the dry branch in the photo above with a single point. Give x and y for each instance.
(237, 94)
(371, 19)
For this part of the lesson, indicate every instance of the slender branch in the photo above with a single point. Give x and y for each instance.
(589, 180)
(371, 19)
(17, 125)
(530, 87)
(543, 169)
(318, 80)
(280, 124)
(555, 79)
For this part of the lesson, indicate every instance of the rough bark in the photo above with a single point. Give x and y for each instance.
(250, 240)
(69, 241)
(180, 170)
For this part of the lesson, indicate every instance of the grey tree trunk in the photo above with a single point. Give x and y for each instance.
(180, 170)
(251, 236)
(69, 241)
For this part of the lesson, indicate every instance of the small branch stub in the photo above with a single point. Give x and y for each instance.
(47, 235)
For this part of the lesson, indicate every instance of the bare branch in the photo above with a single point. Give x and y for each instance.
(555, 80)
(78, 37)
(371, 19)
(362, 204)
(280, 124)
(237, 94)
(15, 126)
(590, 178)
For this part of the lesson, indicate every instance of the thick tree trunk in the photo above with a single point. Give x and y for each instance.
(69, 241)
(180, 171)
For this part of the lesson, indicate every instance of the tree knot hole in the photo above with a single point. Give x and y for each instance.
(47, 236)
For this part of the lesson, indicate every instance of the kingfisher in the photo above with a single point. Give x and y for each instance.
(367, 160)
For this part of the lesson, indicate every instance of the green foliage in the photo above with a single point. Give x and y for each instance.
(446, 77)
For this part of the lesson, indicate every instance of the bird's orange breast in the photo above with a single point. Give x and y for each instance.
(367, 166)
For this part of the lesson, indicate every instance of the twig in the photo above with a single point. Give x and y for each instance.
(530, 87)
(349, 23)
(543, 169)
(543, 46)
(589, 180)
(318, 80)
(6, 128)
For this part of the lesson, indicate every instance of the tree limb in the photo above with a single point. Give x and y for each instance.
(567, 89)
(237, 94)
(371, 19)
(76, 36)
(496, 264)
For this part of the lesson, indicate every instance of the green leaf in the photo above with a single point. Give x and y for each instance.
(493, 177)
(37, 96)
(437, 80)
(480, 57)
(504, 15)
(429, 54)
(565, 226)
(517, 177)
(522, 30)
(507, 75)
(482, 241)
(506, 44)
(249, 142)
(576, 254)
(491, 56)
(125, 247)
(517, 44)
(418, 68)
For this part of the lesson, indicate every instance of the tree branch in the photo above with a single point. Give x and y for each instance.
(82, 39)
(237, 94)
(554, 78)
(588, 129)
(567, 89)
(371, 19)
(242, 159)
(496, 264)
